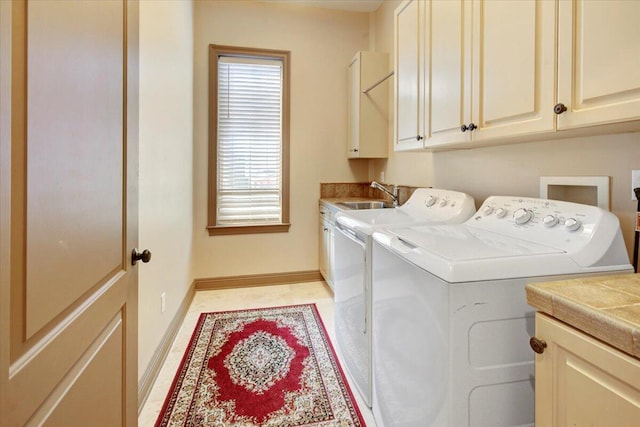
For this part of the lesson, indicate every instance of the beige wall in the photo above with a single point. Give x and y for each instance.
(322, 43)
(514, 169)
(166, 165)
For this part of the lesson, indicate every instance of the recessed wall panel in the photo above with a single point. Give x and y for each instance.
(74, 202)
(598, 48)
(503, 24)
(82, 404)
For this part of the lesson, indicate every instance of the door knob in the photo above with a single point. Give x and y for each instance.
(537, 345)
(144, 256)
(559, 108)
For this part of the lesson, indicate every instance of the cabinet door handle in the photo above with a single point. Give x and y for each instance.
(419, 137)
(537, 345)
(471, 127)
(559, 108)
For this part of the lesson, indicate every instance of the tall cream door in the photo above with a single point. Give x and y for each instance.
(448, 71)
(353, 83)
(513, 68)
(68, 209)
(598, 62)
(409, 95)
(368, 112)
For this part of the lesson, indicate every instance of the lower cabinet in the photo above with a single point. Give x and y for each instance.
(326, 244)
(580, 381)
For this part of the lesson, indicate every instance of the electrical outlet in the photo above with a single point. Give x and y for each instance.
(382, 176)
(163, 302)
(635, 182)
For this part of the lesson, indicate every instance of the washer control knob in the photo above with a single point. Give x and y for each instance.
(572, 224)
(501, 212)
(522, 216)
(443, 203)
(487, 211)
(431, 201)
(550, 221)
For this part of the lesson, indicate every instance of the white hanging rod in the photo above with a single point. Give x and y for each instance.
(377, 83)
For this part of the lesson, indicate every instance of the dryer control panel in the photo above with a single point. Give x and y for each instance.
(439, 205)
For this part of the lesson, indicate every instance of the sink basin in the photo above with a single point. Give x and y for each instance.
(374, 204)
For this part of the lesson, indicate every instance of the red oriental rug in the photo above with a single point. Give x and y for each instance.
(267, 367)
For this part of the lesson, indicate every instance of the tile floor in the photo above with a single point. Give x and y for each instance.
(236, 299)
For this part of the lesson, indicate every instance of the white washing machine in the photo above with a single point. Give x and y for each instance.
(352, 268)
(451, 325)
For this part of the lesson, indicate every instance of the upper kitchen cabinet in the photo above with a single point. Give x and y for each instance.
(598, 62)
(513, 68)
(490, 72)
(368, 106)
(408, 65)
(482, 72)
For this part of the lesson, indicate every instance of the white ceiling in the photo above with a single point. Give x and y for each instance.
(351, 5)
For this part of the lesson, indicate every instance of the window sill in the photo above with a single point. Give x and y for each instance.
(247, 229)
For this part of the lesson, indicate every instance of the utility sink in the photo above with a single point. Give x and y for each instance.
(374, 204)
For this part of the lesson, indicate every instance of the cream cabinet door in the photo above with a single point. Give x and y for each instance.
(513, 68)
(328, 248)
(491, 69)
(408, 87)
(68, 208)
(368, 120)
(598, 62)
(353, 83)
(324, 249)
(582, 382)
(448, 71)
(326, 244)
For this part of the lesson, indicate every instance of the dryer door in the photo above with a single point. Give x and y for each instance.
(351, 304)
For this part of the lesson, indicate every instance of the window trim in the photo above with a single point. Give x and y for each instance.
(284, 56)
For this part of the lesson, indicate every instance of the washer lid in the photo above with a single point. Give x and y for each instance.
(458, 253)
(458, 243)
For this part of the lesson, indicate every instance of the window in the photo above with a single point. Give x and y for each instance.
(248, 140)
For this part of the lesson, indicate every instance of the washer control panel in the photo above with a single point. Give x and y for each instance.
(549, 222)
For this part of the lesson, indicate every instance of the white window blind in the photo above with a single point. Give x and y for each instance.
(249, 187)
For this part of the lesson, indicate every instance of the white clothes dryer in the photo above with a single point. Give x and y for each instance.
(451, 325)
(352, 268)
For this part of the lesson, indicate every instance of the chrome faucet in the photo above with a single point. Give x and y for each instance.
(393, 195)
